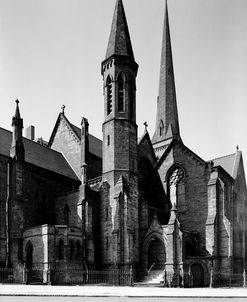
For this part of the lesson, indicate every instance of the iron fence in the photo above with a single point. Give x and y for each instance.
(91, 277)
(228, 280)
(116, 277)
(6, 275)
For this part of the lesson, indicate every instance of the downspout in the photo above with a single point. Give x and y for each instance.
(7, 216)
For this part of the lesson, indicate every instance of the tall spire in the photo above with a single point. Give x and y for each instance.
(119, 40)
(167, 126)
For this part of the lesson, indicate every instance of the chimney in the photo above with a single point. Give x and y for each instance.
(30, 132)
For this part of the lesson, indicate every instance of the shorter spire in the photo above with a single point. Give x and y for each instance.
(119, 41)
(17, 110)
(17, 148)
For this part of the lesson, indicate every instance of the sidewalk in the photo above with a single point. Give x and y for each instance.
(109, 291)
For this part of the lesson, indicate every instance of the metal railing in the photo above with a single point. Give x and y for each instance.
(102, 277)
(82, 276)
(6, 275)
(151, 267)
(226, 280)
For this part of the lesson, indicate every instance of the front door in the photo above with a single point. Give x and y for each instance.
(29, 255)
(156, 254)
(198, 275)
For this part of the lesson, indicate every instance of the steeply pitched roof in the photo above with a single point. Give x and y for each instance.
(228, 163)
(38, 155)
(145, 148)
(167, 125)
(95, 144)
(119, 40)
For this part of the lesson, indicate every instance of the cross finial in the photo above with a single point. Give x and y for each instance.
(17, 101)
(63, 107)
(237, 147)
(146, 125)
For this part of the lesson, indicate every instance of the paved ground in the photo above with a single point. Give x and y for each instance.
(114, 299)
(109, 291)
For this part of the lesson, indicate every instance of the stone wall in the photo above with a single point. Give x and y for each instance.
(193, 215)
(33, 192)
(3, 197)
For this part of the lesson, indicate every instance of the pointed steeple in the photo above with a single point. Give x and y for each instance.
(17, 147)
(84, 149)
(167, 126)
(17, 110)
(119, 41)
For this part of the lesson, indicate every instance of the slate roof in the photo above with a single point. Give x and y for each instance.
(227, 163)
(38, 155)
(95, 144)
(119, 41)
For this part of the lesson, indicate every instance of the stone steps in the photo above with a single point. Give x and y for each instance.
(154, 278)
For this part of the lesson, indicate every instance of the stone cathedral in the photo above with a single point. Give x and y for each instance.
(149, 203)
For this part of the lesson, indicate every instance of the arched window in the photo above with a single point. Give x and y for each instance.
(109, 94)
(191, 246)
(161, 127)
(29, 255)
(176, 189)
(120, 94)
(66, 215)
(61, 250)
(132, 100)
(71, 251)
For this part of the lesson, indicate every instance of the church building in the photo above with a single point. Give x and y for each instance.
(149, 204)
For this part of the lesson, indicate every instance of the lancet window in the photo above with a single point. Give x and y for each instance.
(109, 94)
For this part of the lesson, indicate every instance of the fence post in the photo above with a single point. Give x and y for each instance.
(24, 274)
(244, 278)
(181, 277)
(190, 278)
(211, 275)
(48, 275)
(131, 276)
(165, 278)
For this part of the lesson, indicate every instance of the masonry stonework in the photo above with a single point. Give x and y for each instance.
(151, 205)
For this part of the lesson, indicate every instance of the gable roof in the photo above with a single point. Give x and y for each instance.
(95, 144)
(228, 163)
(38, 155)
(169, 148)
(145, 146)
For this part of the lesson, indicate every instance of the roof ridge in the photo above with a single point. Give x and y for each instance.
(224, 156)
(88, 133)
(34, 142)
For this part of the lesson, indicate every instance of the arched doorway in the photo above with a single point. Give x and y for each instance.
(156, 254)
(198, 275)
(29, 255)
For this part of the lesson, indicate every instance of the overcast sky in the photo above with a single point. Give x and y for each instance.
(51, 53)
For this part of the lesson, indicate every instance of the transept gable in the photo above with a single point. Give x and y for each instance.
(62, 119)
(95, 144)
(177, 147)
